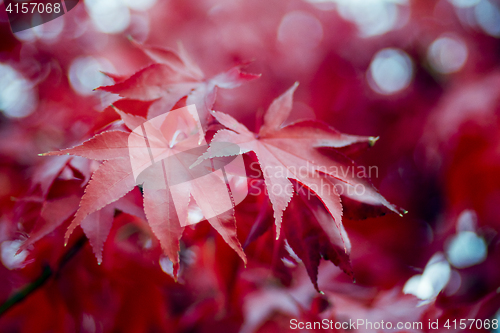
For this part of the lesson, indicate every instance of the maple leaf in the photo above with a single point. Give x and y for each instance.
(47, 172)
(294, 152)
(312, 235)
(157, 154)
(52, 215)
(97, 225)
(174, 76)
(55, 190)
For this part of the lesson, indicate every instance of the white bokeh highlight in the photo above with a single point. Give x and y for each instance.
(483, 14)
(464, 3)
(488, 17)
(467, 221)
(85, 74)
(139, 4)
(9, 258)
(447, 54)
(114, 16)
(466, 249)
(167, 266)
(110, 16)
(390, 71)
(300, 30)
(431, 282)
(372, 17)
(17, 96)
(50, 31)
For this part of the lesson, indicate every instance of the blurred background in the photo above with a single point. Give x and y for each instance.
(424, 76)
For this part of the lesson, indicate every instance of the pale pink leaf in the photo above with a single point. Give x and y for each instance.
(278, 111)
(96, 227)
(104, 146)
(111, 181)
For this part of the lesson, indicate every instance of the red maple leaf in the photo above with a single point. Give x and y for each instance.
(166, 206)
(286, 153)
(297, 152)
(311, 234)
(173, 76)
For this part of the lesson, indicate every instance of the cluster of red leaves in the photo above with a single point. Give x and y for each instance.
(437, 156)
(292, 148)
